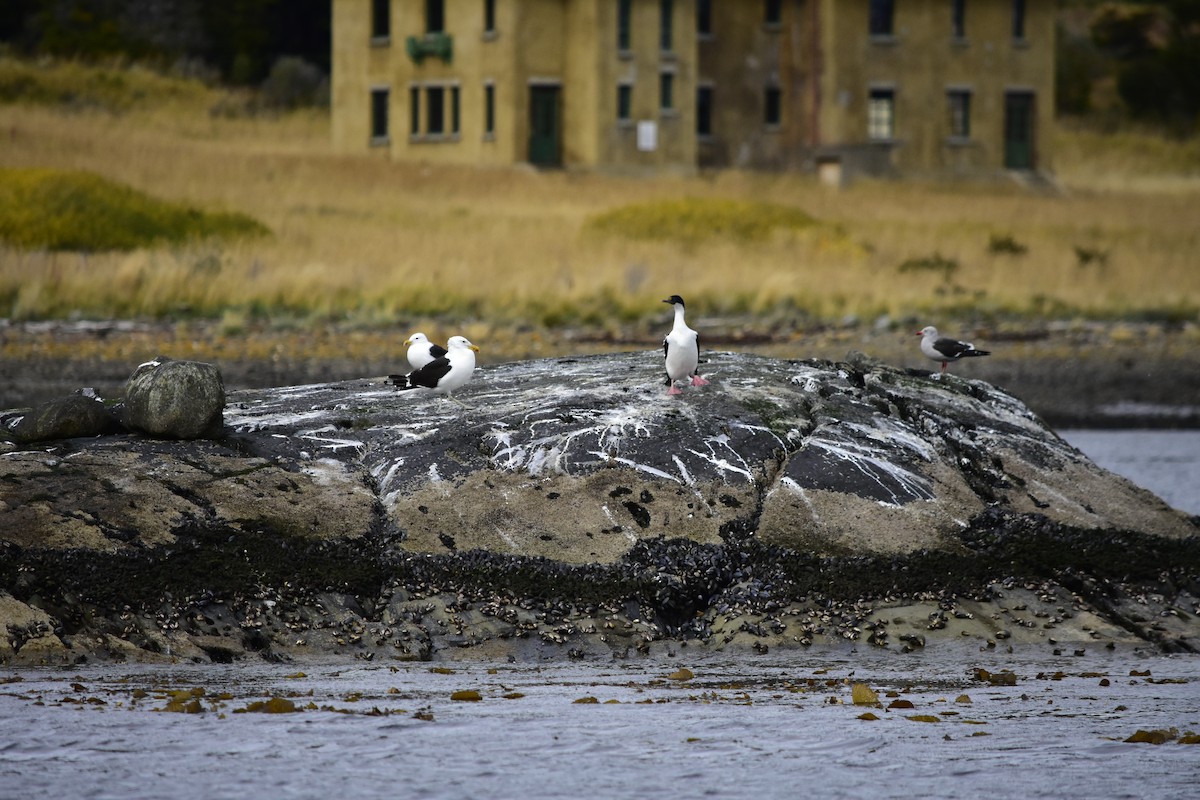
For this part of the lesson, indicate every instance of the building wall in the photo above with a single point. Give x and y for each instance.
(819, 56)
(740, 60)
(921, 62)
(352, 61)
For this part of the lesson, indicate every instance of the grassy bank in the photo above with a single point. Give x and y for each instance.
(368, 242)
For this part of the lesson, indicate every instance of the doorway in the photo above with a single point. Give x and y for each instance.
(544, 150)
(1018, 130)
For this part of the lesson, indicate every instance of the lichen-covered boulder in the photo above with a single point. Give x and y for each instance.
(175, 399)
(80, 414)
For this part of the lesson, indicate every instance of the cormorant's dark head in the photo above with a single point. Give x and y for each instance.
(674, 299)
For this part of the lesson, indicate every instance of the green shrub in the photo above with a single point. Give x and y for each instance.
(58, 210)
(1085, 256)
(1006, 245)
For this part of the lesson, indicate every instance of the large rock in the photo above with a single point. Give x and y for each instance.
(77, 415)
(574, 495)
(175, 399)
(578, 459)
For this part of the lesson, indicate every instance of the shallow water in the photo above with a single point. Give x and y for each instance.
(1167, 462)
(757, 726)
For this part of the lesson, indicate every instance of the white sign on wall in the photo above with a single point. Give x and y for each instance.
(647, 136)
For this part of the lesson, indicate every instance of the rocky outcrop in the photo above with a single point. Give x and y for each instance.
(574, 506)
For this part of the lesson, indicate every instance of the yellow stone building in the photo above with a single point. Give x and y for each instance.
(845, 87)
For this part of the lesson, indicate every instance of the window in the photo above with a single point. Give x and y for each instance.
(435, 104)
(958, 19)
(704, 18)
(704, 103)
(773, 106)
(666, 11)
(624, 13)
(379, 115)
(441, 111)
(773, 12)
(435, 16)
(666, 91)
(958, 104)
(1018, 19)
(881, 114)
(881, 17)
(381, 19)
(489, 16)
(435, 110)
(489, 110)
(624, 102)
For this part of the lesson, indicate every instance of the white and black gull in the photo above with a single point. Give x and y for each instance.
(443, 374)
(681, 351)
(421, 351)
(945, 349)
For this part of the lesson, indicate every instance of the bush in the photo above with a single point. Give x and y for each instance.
(57, 210)
(295, 83)
(1006, 245)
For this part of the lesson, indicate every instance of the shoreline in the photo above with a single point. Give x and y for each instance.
(1072, 374)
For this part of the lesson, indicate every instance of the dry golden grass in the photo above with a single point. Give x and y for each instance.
(370, 242)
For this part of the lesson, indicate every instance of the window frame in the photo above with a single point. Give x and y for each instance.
(773, 13)
(435, 111)
(877, 121)
(624, 103)
(705, 94)
(704, 20)
(666, 26)
(958, 110)
(881, 19)
(489, 17)
(489, 110)
(666, 92)
(1018, 20)
(381, 22)
(624, 26)
(435, 16)
(772, 106)
(441, 118)
(958, 19)
(380, 106)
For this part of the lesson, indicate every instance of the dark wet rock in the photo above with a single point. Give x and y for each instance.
(175, 399)
(575, 508)
(77, 415)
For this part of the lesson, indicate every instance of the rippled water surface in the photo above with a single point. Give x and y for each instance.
(1165, 462)
(781, 725)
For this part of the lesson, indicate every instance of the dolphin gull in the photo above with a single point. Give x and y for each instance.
(945, 349)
